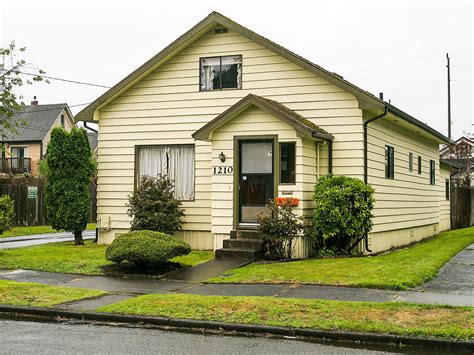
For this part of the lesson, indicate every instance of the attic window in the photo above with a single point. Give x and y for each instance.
(217, 73)
(220, 30)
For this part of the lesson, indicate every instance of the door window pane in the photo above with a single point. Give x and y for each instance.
(257, 158)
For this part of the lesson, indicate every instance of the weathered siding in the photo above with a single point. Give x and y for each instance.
(407, 208)
(166, 107)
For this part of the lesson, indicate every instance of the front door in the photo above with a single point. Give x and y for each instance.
(255, 179)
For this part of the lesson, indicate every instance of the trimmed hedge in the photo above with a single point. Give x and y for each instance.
(146, 247)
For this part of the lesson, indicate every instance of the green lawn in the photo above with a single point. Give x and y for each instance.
(32, 294)
(22, 231)
(77, 259)
(393, 318)
(401, 269)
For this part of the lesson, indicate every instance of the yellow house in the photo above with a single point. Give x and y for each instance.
(236, 120)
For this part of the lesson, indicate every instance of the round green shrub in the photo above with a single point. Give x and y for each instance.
(6, 213)
(146, 247)
(342, 213)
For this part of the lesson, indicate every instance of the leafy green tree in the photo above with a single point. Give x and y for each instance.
(14, 73)
(154, 207)
(69, 172)
(343, 212)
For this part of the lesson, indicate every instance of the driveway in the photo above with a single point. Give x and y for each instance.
(36, 239)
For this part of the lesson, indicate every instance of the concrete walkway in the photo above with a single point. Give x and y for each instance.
(454, 285)
(37, 239)
(128, 286)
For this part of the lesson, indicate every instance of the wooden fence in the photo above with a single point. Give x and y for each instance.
(29, 198)
(462, 200)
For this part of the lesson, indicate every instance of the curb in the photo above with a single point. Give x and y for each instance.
(208, 326)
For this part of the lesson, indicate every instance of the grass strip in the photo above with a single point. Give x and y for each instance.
(398, 270)
(88, 259)
(392, 318)
(38, 295)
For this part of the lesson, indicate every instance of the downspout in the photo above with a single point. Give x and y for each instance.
(90, 128)
(385, 111)
(329, 156)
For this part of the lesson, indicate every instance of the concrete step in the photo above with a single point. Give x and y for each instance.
(238, 254)
(244, 234)
(243, 244)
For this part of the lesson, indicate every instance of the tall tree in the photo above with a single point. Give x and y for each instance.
(14, 73)
(69, 173)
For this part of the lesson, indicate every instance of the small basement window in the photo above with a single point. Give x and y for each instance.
(217, 73)
(389, 162)
(410, 162)
(419, 164)
(287, 163)
(432, 172)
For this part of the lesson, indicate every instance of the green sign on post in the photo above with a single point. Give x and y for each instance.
(32, 191)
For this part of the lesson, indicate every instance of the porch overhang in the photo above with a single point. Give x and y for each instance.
(303, 127)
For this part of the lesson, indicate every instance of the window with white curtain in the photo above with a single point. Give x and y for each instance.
(219, 73)
(173, 161)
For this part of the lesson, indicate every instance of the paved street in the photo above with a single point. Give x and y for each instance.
(37, 239)
(61, 338)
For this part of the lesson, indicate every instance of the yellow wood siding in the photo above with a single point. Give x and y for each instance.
(166, 107)
(408, 200)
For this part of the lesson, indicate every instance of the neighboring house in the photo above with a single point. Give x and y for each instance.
(92, 137)
(461, 156)
(236, 120)
(25, 147)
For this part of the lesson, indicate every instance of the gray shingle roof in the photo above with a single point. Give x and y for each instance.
(35, 121)
(92, 137)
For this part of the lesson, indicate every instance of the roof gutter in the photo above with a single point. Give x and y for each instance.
(89, 128)
(366, 169)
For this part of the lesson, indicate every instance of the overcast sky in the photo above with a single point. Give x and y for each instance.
(395, 47)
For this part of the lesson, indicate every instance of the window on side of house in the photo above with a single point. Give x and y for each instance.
(62, 121)
(419, 164)
(389, 162)
(218, 73)
(432, 172)
(410, 162)
(287, 163)
(174, 161)
(447, 189)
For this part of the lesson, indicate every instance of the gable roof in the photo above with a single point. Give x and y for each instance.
(366, 100)
(302, 126)
(34, 122)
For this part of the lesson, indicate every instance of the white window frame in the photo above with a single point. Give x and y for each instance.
(138, 168)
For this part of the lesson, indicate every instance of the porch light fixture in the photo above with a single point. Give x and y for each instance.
(222, 157)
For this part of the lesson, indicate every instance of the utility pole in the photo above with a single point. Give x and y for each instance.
(449, 97)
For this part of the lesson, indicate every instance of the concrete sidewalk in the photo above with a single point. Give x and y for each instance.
(135, 285)
(37, 239)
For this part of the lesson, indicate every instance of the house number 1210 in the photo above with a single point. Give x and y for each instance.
(222, 170)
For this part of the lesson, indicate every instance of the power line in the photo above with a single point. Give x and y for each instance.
(416, 85)
(399, 73)
(397, 61)
(66, 80)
